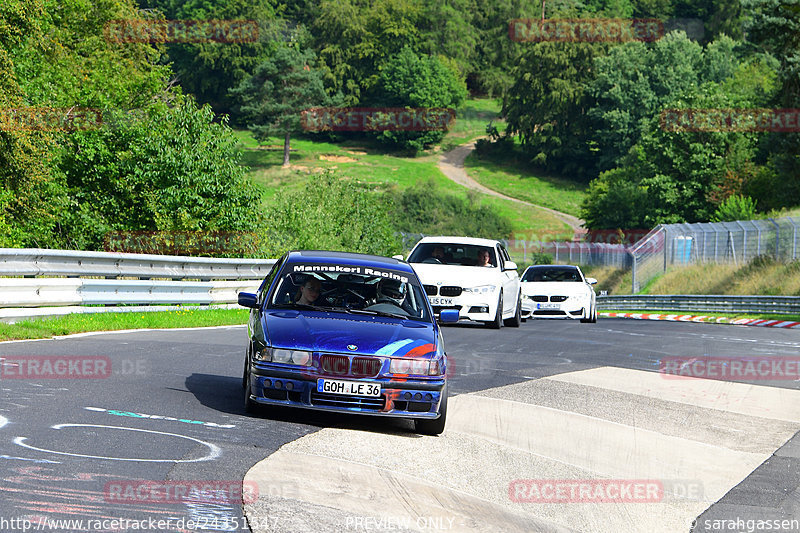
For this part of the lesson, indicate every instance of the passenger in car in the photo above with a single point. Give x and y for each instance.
(308, 292)
(483, 258)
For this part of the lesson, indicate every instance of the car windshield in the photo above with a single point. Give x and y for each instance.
(552, 274)
(451, 254)
(350, 289)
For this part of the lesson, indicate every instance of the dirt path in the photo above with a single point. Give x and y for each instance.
(452, 165)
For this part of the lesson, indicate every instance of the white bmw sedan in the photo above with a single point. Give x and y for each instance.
(558, 291)
(474, 276)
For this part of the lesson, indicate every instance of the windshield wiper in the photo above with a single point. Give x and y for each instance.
(379, 313)
(300, 306)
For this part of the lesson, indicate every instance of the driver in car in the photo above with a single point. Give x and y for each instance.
(438, 253)
(392, 292)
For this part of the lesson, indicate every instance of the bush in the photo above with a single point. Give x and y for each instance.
(735, 207)
(424, 208)
(331, 213)
(541, 258)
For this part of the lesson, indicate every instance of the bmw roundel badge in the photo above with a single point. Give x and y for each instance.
(352, 347)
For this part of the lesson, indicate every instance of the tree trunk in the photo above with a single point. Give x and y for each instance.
(286, 150)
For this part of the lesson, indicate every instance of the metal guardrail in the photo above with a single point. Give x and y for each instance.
(41, 292)
(786, 305)
(40, 262)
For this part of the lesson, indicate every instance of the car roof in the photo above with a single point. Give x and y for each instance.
(350, 258)
(459, 240)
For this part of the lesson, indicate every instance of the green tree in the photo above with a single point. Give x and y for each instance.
(208, 70)
(546, 106)
(774, 26)
(278, 91)
(682, 175)
(409, 80)
(631, 84)
(54, 54)
(615, 200)
(170, 167)
(354, 38)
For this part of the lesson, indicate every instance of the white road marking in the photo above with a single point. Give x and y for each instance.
(213, 453)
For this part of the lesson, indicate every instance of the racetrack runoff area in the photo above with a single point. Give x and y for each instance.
(511, 460)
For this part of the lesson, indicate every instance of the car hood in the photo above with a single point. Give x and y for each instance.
(463, 276)
(549, 288)
(320, 331)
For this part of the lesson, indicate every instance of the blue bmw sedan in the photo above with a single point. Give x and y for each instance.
(336, 331)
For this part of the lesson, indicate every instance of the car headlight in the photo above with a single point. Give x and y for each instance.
(416, 367)
(480, 289)
(287, 357)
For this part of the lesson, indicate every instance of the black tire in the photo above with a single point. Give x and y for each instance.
(590, 316)
(594, 315)
(244, 372)
(250, 406)
(515, 320)
(433, 427)
(497, 323)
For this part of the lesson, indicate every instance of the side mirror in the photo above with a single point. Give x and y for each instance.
(248, 299)
(399, 257)
(449, 315)
(510, 265)
(591, 281)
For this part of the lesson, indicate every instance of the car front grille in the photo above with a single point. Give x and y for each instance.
(558, 298)
(430, 290)
(335, 365)
(365, 367)
(334, 400)
(539, 298)
(449, 290)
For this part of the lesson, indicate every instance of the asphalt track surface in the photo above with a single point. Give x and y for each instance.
(170, 411)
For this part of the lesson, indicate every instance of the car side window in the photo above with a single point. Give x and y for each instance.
(267, 283)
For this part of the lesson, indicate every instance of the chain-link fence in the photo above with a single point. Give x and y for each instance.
(523, 251)
(581, 253)
(722, 242)
(668, 244)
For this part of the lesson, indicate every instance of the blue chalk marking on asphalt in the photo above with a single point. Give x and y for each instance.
(158, 417)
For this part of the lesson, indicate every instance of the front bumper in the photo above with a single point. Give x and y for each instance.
(566, 310)
(478, 307)
(405, 398)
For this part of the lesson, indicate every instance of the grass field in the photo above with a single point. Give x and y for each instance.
(80, 323)
(368, 163)
(520, 181)
(70, 324)
(761, 277)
